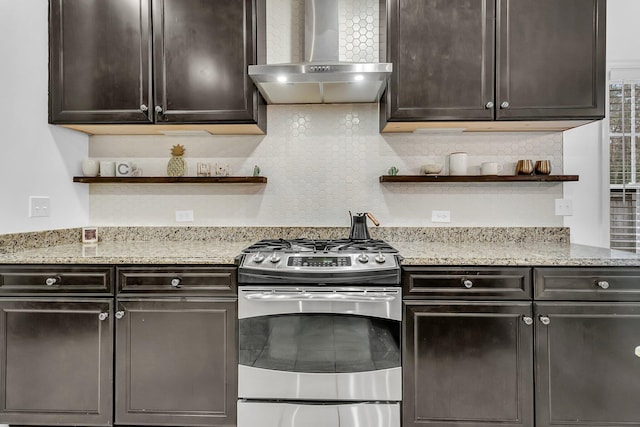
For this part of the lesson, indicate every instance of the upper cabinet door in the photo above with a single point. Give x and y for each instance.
(202, 50)
(551, 59)
(443, 59)
(99, 61)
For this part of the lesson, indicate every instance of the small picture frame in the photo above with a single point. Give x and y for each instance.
(89, 234)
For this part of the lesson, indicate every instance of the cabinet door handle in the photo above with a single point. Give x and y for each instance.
(467, 283)
(603, 284)
(488, 105)
(50, 281)
(504, 105)
(119, 314)
(545, 320)
(176, 282)
(103, 316)
(144, 108)
(159, 109)
(528, 320)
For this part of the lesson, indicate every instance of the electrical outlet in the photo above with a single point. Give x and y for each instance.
(184, 216)
(440, 216)
(564, 207)
(38, 206)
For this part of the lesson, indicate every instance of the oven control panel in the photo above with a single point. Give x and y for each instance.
(319, 261)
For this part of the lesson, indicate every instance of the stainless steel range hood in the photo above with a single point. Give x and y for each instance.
(322, 78)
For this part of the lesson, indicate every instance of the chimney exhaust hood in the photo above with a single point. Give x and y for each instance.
(322, 78)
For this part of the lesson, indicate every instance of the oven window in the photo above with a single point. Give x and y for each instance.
(319, 343)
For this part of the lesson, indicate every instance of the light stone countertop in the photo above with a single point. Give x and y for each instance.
(131, 252)
(512, 254)
(414, 253)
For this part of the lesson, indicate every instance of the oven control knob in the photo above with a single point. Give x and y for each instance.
(380, 259)
(258, 258)
(363, 258)
(274, 258)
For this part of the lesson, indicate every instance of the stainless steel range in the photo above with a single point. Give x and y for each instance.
(320, 324)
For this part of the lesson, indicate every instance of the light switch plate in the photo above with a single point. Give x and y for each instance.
(38, 206)
(564, 207)
(440, 216)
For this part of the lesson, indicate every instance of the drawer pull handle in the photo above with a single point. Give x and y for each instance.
(545, 320)
(119, 314)
(467, 283)
(176, 282)
(528, 320)
(103, 316)
(50, 281)
(603, 284)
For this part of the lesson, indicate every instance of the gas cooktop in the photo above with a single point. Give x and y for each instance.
(320, 245)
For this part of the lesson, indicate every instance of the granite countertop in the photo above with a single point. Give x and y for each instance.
(414, 253)
(513, 254)
(131, 252)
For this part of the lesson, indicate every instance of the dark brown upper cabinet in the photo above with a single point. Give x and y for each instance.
(494, 60)
(155, 62)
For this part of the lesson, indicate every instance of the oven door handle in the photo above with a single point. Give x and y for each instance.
(310, 296)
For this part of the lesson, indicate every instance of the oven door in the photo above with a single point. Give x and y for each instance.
(320, 343)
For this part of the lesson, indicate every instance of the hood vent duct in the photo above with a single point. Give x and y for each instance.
(322, 78)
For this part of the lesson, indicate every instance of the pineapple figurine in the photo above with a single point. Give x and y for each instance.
(177, 165)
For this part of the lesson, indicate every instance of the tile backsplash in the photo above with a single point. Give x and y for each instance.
(321, 162)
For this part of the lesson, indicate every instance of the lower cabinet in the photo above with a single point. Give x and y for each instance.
(163, 352)
(175, 362)
(587, 364)
(468, 363)
(56, 361)
(573, 348)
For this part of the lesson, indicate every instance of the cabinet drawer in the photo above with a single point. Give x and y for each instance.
(462, 283)
(219, 281)
(603, 284)
(43, 279)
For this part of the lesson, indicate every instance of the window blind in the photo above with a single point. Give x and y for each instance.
(624, 146)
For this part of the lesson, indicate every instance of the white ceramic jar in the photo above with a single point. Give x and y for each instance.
(90, 167)
(458, 163)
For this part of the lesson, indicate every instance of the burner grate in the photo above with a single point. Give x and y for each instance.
(319, 245)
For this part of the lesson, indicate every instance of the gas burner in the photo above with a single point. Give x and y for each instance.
(319, 245)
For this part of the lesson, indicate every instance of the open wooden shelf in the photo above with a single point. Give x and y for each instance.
(478, 178)
(171, 179)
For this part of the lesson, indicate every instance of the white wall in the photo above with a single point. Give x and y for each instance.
(35, 158)
(586, 154)
(623, 31)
